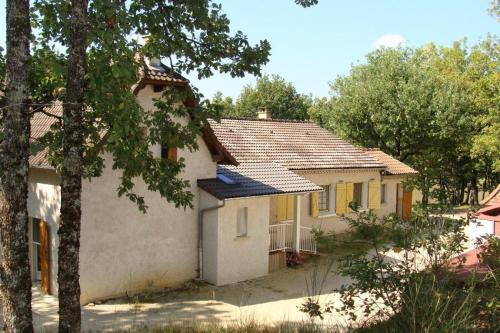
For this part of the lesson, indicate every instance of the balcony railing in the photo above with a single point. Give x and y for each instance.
(281, 238)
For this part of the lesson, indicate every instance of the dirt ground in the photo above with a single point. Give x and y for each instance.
(269, 300)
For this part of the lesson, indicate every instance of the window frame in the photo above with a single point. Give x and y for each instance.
(383, 193)
(326, 191)
(361, 186)
(239, 233)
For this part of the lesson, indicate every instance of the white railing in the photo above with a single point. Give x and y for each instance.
(281, 238)
(307, 241)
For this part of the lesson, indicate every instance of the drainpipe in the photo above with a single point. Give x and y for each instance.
(201, 213)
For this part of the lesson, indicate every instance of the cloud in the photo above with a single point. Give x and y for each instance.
(389, 41)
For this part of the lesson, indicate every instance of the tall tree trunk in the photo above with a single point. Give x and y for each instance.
(14, 167)
(474, 199)
(71, 176)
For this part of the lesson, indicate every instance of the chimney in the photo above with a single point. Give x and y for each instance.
(263, 113)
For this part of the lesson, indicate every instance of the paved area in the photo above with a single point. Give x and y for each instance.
(268, 300)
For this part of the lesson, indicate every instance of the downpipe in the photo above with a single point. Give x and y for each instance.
(201, 214)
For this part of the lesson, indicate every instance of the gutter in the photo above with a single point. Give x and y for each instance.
(201, 213)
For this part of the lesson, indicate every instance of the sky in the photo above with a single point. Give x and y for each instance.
(312, 46)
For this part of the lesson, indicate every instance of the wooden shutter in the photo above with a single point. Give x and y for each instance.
(407, 200)
(290, 207)
(374, 194)
(172, 154)
(169, 153)
(315, 204)
(349, 196)
(340, 199)
(281, 210)
(45, 255)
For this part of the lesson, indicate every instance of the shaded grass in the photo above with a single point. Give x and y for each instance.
(241, 328)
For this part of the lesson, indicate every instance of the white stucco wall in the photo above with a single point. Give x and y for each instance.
(124, 251)
(44, 202)
(237, 258)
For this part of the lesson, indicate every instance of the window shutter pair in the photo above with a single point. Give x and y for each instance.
(374, 194)
(343, 196)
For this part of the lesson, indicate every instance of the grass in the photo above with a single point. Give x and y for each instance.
(252, 327)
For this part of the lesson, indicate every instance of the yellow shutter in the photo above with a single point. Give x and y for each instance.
(290, 207)
(349, 194)
(340, 199)
(281, 211)
(315, 204)
(374, 194)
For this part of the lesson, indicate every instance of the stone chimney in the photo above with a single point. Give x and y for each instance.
(263, 113)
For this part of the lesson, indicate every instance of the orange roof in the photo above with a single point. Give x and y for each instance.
(394, 167)
(297, 145)
(493, 198)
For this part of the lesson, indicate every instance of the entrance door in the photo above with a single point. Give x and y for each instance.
(407, 201)
(41, 255)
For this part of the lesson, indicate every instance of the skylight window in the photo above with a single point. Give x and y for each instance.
(225, 179)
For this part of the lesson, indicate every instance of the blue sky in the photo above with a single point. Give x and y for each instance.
(312, 46)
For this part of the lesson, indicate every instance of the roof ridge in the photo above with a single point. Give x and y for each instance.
(270, 120)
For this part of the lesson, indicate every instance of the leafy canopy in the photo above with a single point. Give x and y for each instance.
(191, 35)
(271, 92)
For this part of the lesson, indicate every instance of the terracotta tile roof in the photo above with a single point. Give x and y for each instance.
(255, 179)
(40, 124)
(158, 74)
(293, 144)
(162, 73)
(493, 198)
(394, 167)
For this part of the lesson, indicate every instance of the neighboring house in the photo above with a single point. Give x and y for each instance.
(493, 198)
(260, 186)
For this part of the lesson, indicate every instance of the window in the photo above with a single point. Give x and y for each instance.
(242, 222)
(324, 198)
(169, 153)
(383, 190)
(358, 194)
(37, 260)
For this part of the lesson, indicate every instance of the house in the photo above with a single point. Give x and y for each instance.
(493, 198)
(260, 187)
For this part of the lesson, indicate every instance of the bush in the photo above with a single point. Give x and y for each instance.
(404, 284)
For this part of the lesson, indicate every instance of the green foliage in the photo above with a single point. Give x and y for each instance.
(190, 35)
(273, 93)
(433, 108)
(404, 283)
(224, 105)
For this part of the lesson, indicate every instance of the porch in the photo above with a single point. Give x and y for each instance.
(285, 230)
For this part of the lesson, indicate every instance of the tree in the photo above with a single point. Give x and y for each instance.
(275, 94)
(72, 172)
(418, 106)
(192, 36)
(225, 105)
(14, 166)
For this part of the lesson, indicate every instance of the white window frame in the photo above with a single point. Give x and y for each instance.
(328, 192)
(242, 222)
(364, 194)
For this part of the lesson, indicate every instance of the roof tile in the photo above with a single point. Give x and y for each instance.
(294, 144)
